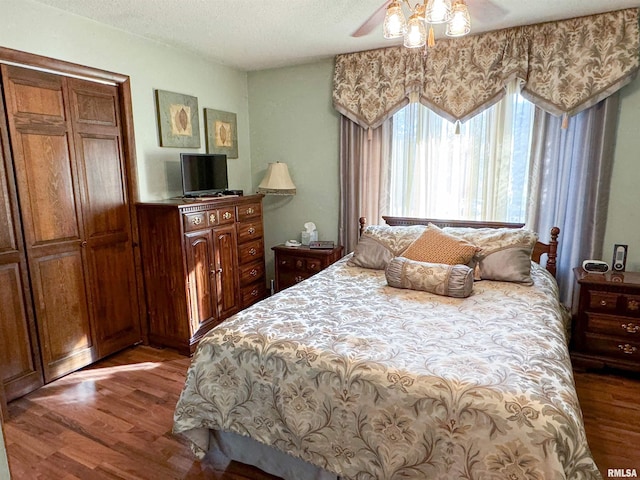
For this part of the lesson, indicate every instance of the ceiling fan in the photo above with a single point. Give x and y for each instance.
(479, 9)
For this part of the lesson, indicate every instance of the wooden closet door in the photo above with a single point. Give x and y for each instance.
(95, 119)
(20, 368)
(41, 138)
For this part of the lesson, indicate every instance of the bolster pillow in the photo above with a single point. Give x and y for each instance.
(449, 280)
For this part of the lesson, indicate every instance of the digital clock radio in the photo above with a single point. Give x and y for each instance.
(595, 266)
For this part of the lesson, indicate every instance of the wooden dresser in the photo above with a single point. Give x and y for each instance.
(606, 327)
(294, 264)
(203, 261)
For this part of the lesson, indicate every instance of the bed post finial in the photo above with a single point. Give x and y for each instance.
(553, 251)
(363, 223)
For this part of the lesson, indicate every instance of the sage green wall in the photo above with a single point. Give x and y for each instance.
(623, 223)
(293, 121)
(35, 28)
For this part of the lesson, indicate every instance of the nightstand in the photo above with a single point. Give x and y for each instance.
(294, 264)
(606, 327)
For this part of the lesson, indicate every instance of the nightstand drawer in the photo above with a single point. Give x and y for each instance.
(620, 327)
(614, 347)
(604, 301)
(289, 278)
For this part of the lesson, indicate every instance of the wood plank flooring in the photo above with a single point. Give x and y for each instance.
(113, 421)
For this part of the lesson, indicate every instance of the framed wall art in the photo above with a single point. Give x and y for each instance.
(178, 122)
(221, 130)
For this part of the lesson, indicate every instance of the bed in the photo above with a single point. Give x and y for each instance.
(345, 376)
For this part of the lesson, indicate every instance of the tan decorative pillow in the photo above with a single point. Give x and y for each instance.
(449, 280)
(436, 246)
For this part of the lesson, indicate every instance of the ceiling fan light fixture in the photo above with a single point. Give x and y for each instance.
(438, 11)
(394, 25)
(416, 35)
(460, 23)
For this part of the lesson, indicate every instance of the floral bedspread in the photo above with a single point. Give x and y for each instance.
(374, 382)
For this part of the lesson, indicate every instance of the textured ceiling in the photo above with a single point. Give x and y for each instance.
(258, 34)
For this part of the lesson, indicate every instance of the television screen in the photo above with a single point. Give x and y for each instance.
(203, 173)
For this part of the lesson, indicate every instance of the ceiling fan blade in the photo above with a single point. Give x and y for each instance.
(485, 10)
(373, 21)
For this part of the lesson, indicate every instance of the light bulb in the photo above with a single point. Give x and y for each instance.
(416, 35)
(438, 11)
(394, 25)
(460, 23)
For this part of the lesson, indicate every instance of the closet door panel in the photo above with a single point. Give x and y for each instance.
(46, 177)
(20, 367)
(61, 309)
(105, 212)
(46, 181)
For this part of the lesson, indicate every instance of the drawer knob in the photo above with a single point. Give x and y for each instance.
(630, 327)
(298, 279)
(628, 349)
(250, 211)
(226, 215)
(254, 292)
(299, 263)
(251, 230)
(252, 251)
(196, 220)
(633, 305)
(253, 272)
(603, 303)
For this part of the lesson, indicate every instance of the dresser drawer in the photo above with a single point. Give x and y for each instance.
(613, 347)
(250, 251)
(603, 301)
(253, 293)
(248, 231)
(621, 327)
(194, 221)
(251, 273)
(250, 211)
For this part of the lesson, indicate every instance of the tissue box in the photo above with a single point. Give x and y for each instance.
(308, 237)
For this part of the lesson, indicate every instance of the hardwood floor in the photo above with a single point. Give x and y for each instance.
(110, 421)
(113, 421)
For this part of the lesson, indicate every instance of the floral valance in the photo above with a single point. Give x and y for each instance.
(564, 67)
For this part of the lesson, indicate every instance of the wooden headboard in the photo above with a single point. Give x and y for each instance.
(550, 249)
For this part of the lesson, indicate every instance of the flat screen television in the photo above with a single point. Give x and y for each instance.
(203, 174)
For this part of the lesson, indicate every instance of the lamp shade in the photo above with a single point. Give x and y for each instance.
(277, 181)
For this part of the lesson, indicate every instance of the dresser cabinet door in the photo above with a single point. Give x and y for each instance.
(200, 279)
(226, 266)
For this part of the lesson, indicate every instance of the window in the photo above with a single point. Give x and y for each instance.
(479, 174)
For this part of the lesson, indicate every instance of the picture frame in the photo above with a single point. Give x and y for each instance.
(178, 121)
(221, 132)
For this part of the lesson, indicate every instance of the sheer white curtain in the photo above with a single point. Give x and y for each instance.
(479, 173)
(570, 183)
